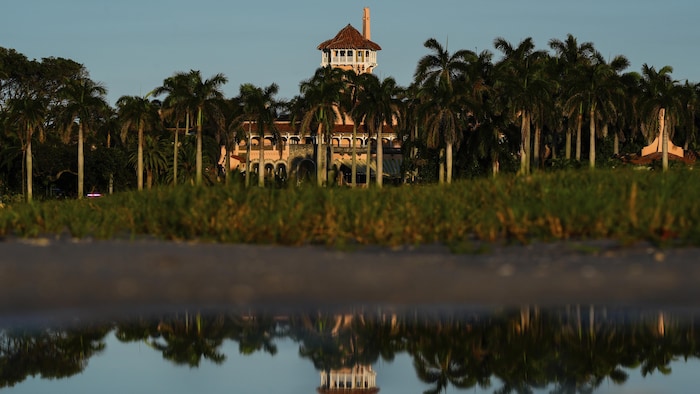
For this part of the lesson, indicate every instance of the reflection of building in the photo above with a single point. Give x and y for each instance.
(359, 379)
(294, 154)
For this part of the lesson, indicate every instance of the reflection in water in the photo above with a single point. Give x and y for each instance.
(567, 350)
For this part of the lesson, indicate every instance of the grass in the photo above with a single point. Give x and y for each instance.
(626, 205)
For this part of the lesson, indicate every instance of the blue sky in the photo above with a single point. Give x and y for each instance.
(132, 45)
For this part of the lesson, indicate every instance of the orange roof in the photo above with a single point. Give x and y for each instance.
(349, 38)
(285, 127)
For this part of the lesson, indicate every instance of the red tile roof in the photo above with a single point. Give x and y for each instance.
(349, 38)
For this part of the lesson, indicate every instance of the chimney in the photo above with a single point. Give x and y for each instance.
(365, 25)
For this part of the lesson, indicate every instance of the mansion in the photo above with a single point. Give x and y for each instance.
(294, 155)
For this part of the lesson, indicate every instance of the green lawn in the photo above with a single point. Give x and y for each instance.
(623, 204)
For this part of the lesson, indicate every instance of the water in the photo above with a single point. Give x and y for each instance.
(574, 349)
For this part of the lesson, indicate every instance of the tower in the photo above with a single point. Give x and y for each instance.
(351, 50)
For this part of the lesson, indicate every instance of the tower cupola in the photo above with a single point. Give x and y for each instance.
(351, 50)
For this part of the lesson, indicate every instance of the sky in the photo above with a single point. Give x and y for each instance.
(131, 46)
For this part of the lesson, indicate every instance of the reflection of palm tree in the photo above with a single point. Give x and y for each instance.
(51, 354)
(189, 339)
(254, 333)
(450, 353)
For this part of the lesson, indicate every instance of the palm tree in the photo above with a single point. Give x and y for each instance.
(142, 114)
(441, 67)
(154, 157)
(83, 102)
(691, 100)
(571, 58)
(443, 119)
(349, 105)
(259, 105)
(661, 99)
(598, 88)
(29, 113)
(436, 74)
(322, 95)
(204, 97)
(522, 87)
(178, 88)
(380, 104)
(233, 132)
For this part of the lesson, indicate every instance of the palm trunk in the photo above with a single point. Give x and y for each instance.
(579, 125)
(441, 166)
(29, 164)
(414, 151)
(591, 143)
(448, 162)
(567, 148)
(320, 156)
(261, 156)
(663, 127)
(495, 165)
(247, 154)
(536, 145)
(616, 143)
(329, 159)
(110, 186)
(368, 176)
(176, 148)
(353, 170)
(227, 160)
(198, 159)
(149, 179)
(139, 159)
(380, 157)
(81, 161)
(524, 142)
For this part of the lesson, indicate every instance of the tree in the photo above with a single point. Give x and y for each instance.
(142, 114)
(83, 102)
(322, 96)
(349, 105)
(690, 95)
(661, 99)
(571, 59)
(443, 119)
(204, 97)
(597, 89)
(29, 114)
(441, 67)
(175, 107)
(380, 104)
(260, 105)
(522, 87)
(436, 74)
